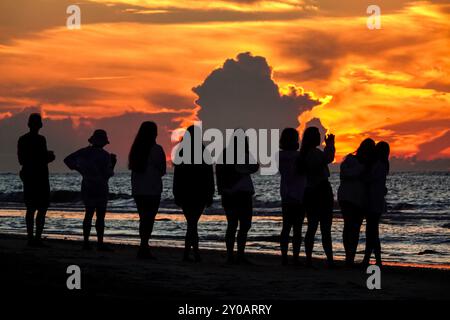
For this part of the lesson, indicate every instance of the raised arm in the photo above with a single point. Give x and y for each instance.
(329, 151)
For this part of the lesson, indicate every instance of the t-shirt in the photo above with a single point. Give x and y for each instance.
(352, 188)
(377, 187)
(317, 165)
(96, 167)
(33, 156)
(292, 183)
(149, 182)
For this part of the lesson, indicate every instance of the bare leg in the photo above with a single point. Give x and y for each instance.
(313, 224)
(230, 236)
(40, 222)
(29, 220)
(297, 239)
(87, 224)
(100, 224)
(325, 229)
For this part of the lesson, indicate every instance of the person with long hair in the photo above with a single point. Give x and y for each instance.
(319, 201)
(147, 162)
(234, 184)
(96, 166)
(376, 202)
(352, 195)
(292, 188)
(34, 158)
(193, 187)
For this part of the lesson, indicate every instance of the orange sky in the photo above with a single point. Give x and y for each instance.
(146, 56)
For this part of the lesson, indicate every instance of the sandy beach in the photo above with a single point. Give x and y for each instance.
(119, 275)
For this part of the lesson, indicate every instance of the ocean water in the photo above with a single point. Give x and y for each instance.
(415, 229)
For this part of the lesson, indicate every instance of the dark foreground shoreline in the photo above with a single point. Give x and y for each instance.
(118, 275)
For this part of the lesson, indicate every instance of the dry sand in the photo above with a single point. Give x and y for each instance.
(119, 275)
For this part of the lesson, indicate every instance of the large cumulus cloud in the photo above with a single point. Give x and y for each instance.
(243, 94)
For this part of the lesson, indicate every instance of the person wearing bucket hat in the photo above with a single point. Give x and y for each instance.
(96, 166)
(99, 138)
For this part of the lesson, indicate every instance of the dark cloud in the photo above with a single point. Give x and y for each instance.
(169, 100)
(433, 148)
(416, 126)
(243, 94)
(414, 164)
(67, 134)
(352, 8)
(323, 52)
(315, 122)
(20, 18)
(71, 95)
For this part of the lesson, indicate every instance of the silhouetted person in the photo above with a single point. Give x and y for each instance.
(234, 184)
(376, 202)
(34, 158)
(193, 188)
(318, 193)
(292, 188)
(96, 166)
(352, 195)
(147, 162)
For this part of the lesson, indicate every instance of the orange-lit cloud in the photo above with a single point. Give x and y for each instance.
(146, 56)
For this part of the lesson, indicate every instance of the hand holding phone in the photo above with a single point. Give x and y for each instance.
(329, 140)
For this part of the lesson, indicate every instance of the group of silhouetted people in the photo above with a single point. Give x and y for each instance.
(305, 189)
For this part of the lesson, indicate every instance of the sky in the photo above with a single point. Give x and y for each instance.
(229, 63)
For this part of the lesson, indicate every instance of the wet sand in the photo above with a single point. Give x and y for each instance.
(119, 275)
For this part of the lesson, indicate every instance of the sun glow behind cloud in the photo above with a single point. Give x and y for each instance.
(383, 83)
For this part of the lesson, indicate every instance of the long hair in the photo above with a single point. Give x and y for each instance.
(366, 151)
(382, 150)
(311, 140)
(140, 150)
(289, 139)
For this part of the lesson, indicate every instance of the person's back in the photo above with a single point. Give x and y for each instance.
(292, 188)
(319, 200)
(292, 183)
(94, 164)
(352, 187)
(235, 178)
(193, 186)
(193, 183)
(147, 162)
(377, 191)
(352, 195)
(235, 185)
(149, 181)
(377, 187)
(33, 155)
(316, 162)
